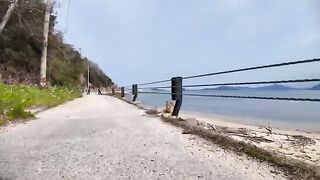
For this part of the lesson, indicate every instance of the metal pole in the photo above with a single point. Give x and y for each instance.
(176, 94)
(8, 14)
(46, 26)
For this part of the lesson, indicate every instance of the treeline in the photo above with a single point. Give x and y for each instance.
(21, 47)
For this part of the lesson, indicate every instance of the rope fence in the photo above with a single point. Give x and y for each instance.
(240, 83)
(177, 86)
(240, 97)
(254, 68)
(239, 70)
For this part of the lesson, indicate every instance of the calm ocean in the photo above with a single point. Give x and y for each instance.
(282, 114)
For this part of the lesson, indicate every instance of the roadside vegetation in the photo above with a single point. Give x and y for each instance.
(21, 47)
(15, 99)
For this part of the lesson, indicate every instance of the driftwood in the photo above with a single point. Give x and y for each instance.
(269, 129)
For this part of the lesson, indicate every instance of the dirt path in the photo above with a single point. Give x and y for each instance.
(99, 137)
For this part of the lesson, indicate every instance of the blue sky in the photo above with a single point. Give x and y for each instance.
(137, 41)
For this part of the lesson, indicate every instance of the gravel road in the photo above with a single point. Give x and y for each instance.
(100, 137)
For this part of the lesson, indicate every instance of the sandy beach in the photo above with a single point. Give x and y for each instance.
(291, 143)
(299, 145)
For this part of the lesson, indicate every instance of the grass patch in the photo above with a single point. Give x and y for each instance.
(15, 99)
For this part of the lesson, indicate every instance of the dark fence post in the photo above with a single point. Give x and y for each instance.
(135, 92)
(122, 91)
(176, 94)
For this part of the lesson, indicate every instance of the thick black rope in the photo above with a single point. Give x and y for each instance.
(241, 83)
(256, 97)
(155, 82)
(159, 87)
(253, 68)
(257, 82)
(238, 70)
(243, 97)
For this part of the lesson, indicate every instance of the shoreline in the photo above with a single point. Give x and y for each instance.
(296, 155)
(236, 122)
(233, 121)
(292, 116)
(299, 145)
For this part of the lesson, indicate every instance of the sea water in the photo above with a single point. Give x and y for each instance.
(294, 115)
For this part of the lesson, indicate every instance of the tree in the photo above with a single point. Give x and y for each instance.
(21, 46)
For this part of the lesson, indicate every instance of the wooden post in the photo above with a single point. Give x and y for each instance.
(46, 27)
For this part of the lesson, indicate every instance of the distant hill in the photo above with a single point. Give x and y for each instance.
(275, 87)
(21, 46)
(316, 87)
(221, 88)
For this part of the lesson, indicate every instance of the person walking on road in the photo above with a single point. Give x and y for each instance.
(99, 91)
(88, 92)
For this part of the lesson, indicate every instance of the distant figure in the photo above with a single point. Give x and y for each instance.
(99, 91)
(113, 91)
(88, 92)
